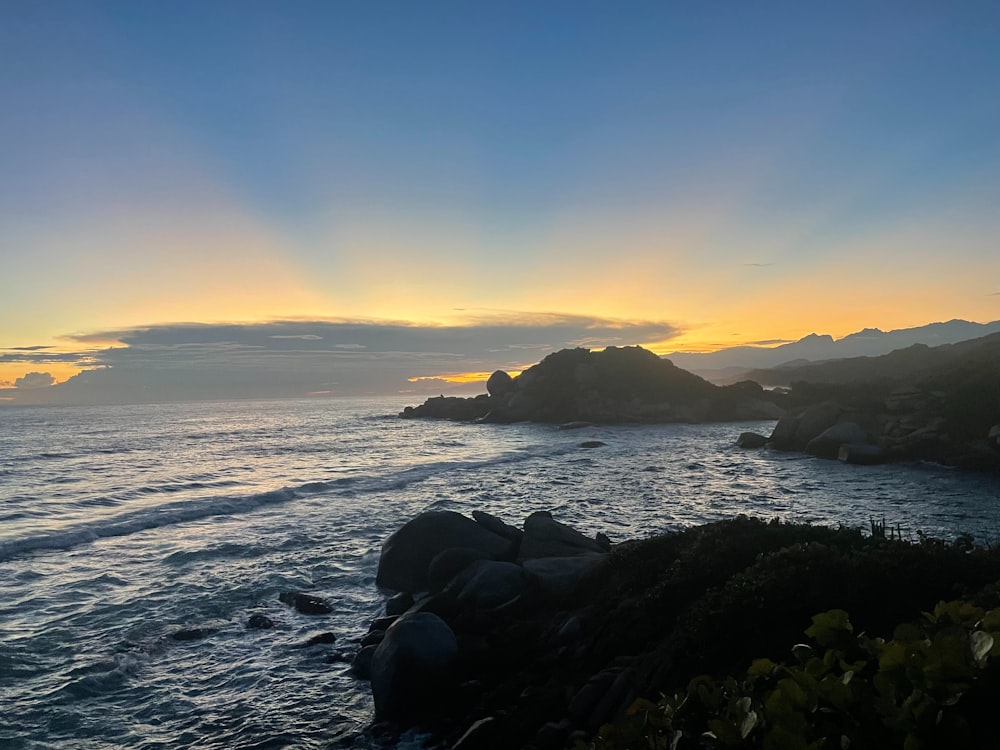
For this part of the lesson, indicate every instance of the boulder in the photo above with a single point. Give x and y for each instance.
(407, 553)
(794, 431)
(487, 584)
(592, 444)
(497, 526)
(863, 454)
(499, 384)
(318, 639)
(258, 621)
(307, 604)
(751, 440)
(449, 563)
(827, 443)
(546, 537)
(361, 666)
(560, 577)
(412, 666)
(398, 604)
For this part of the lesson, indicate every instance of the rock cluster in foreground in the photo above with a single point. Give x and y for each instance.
(616, 385)
(455, 576)
(500, 660)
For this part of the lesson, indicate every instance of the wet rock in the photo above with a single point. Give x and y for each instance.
(307, 604)
(373, 638)
(318, 639)
(411, 667)
(361, 667)
(604, 540)
(862, 454)
(192, 634)
(258, 621)
(382, 623)
(398, 604)
(592, 444)
(407, 553)
(751, 440)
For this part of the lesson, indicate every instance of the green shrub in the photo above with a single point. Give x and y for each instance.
(930, 686)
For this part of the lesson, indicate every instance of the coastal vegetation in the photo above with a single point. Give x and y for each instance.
(697, 631)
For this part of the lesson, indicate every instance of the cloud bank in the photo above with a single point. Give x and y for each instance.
(295, 358)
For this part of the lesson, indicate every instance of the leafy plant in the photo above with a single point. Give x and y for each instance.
(930, 686)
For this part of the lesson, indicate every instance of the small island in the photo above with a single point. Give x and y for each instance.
(614, 386)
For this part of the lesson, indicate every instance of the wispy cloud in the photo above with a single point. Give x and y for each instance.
(758, 265)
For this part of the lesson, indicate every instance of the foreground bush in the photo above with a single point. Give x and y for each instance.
(932, 685)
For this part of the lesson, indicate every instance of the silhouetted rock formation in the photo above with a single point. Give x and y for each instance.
(627, 384)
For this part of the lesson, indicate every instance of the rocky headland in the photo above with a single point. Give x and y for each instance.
(617, 385)
(923, 403)
(540, 637)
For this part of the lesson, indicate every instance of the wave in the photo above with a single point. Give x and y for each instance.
(170, 514)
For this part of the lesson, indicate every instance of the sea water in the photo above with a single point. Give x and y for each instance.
(121, 525)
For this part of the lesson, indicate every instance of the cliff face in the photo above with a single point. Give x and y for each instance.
(628, 384)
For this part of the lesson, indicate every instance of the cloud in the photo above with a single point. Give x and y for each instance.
(770, 342)
(35, 380)
(289, 358)
(759, 265)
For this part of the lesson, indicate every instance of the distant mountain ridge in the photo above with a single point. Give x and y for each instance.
(733, 363)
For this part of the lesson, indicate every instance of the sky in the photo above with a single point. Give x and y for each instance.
(227, 199)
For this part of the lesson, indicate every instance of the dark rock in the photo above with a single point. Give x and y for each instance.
(318, 639)
(192, 634)
(407, 553)
(307, 604)
(398, 604)
(827, 443)
(546, 537)
(592, 444)
(361, 667)
(449, 563)
(604, 540)
(582, 705)
(412, 666)
(382, 623)
(751, 440)
(373, 638)
(795, 430)
(479, 736)
(257, 621)
(497, 526)
(863, 454)
(486, 584)
(560, 577)
(499, 384)
(451, 407)
(994, 437)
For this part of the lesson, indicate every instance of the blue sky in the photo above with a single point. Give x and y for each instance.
(728, 172)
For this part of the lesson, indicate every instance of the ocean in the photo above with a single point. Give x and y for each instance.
(121, 525)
